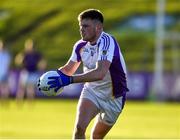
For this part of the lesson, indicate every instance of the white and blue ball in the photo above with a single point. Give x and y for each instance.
(44, 87)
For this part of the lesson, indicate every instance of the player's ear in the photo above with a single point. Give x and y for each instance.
(99, 27)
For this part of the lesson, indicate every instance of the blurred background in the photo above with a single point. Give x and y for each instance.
(38, 35)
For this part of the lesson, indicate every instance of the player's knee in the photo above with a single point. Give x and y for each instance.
(96, 135)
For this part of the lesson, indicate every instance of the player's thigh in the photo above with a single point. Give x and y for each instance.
(86, 111)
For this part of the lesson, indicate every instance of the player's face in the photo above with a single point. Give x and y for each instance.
(88, 30)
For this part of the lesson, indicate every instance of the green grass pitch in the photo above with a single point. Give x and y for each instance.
(49, 119)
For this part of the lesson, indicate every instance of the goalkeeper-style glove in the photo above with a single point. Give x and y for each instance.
(57, 82)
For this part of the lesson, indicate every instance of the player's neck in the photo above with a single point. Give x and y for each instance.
(93, 42)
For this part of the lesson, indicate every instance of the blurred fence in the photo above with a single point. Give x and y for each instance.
(140, 85)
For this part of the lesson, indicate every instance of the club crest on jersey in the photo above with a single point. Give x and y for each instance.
(104, 52)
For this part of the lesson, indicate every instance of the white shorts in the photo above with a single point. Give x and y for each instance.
(109, 110)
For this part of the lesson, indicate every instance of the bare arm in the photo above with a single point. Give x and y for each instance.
(94, 75)
(70, 67)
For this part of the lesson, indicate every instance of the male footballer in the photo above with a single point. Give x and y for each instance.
(104, 75)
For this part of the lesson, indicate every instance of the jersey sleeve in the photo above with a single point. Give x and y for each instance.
(75, 55)
(106, 48)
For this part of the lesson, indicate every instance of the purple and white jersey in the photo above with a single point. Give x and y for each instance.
(114, 83)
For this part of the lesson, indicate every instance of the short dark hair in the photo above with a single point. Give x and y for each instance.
(93, 14)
